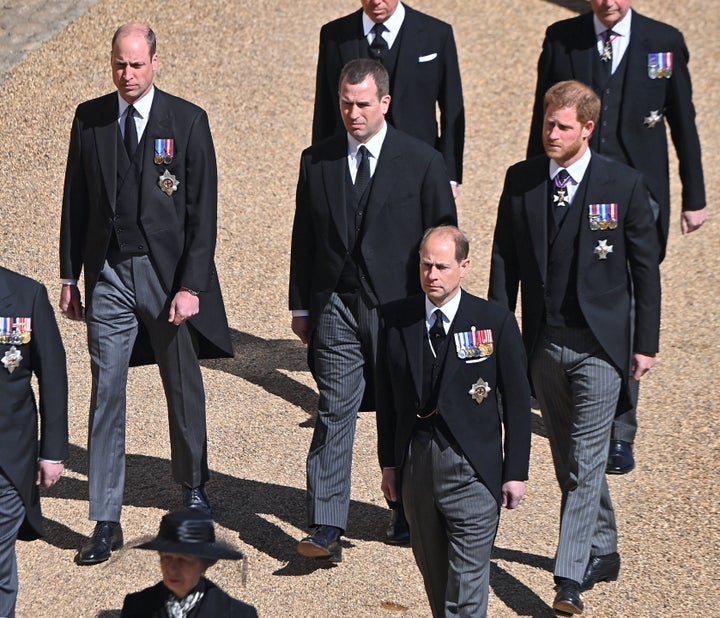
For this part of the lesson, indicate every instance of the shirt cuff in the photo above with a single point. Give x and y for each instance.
(68, 281)
(300, 313)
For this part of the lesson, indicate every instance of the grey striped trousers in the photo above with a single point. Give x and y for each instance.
(578, 387)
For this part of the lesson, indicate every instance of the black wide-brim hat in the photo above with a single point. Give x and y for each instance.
(192, 534)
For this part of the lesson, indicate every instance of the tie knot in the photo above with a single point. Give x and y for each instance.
(437, 329)
(378, 29)
(606, 35)
(130, 111)
(562, 178)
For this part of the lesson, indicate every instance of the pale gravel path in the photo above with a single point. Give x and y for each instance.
(251, 65)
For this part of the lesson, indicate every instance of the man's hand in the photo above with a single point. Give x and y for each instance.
(300, 327)
(690, 220)
(183, 307)
(641, 364)
(70, 303)
(48, 473)
(513, 493)
(388, 486)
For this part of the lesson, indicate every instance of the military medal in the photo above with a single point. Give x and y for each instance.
(474, 344)
(660, 65)
(602, 216)
(480, 390)
(651, 120)
(15, 331)
(11, 359)
(164, 149)
(168, 183)
(602, 249)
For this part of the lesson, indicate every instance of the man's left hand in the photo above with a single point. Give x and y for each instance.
(48, 473)
(690, 220)
(513, 493)
(183, 307)
(641, 364)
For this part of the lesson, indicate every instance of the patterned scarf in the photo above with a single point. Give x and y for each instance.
(181, 608)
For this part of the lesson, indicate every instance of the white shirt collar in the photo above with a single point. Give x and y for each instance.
(392, 23)
(374, 144)
(576, 170)
(142, 106)
(621, 28)
(448, 310)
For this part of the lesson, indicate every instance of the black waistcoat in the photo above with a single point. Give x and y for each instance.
(561, 303)
(605, 138)
(129, 238)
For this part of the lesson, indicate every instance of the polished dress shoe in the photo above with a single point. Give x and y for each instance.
(620, 459)
(568, 599)
(195, 499)
(106, 538)
(323, 542)
(398, 531)
(601, 569)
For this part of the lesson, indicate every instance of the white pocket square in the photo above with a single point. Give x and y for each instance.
(476, 360)
(427, 58)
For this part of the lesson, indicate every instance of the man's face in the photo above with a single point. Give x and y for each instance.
(379, 10)
(610, 12)
(362, 112)
(132, 67)
(440, 272)
(565, 139)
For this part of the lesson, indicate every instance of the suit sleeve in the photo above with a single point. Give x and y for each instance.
(385, 414)
(74, 218)
(515, 391)
(544, 81)
(50, 368)
(452, 111)
(643, 252)
(680, 113)
(201, 207)
(438, 203)
(302, 249)
(504, 268)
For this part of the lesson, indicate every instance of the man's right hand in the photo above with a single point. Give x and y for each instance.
(300, 327)
(70, 303)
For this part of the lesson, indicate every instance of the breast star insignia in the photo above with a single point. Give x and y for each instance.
(651, 120)
(168, 183)
(603, 249)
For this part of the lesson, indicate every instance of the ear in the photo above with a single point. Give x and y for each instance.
(588, 129)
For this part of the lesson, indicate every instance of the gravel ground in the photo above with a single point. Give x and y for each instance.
(251, 66)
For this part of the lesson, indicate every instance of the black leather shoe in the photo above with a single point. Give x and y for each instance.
(195, 499)
(601, 569)
(568, 599)
(322, 542)
(106, 538)
(620, 459)
(398, 532)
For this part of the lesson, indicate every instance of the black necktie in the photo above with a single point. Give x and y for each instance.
(130, 137)
(606, 55)
(362, 177)
(437, 330)
(561, 197)
(379, 46)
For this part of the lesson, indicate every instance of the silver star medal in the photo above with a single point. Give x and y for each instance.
(168, 183)
(651, 120)
(560, 198)
(479, 391)
(603, 249)
(11, 359)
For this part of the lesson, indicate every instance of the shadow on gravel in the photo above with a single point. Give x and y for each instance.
(262, 361)
(250, 508)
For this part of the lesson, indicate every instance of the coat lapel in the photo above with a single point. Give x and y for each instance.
(334, 175)
(536, 214)
(349, 48)
(414, 338)
(384, 178)
(159, 125)
(408, 53)
(106, 133)
(583, 55)
(636, 69)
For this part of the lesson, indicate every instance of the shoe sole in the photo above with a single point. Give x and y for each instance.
(566, 607)
(311, 550)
